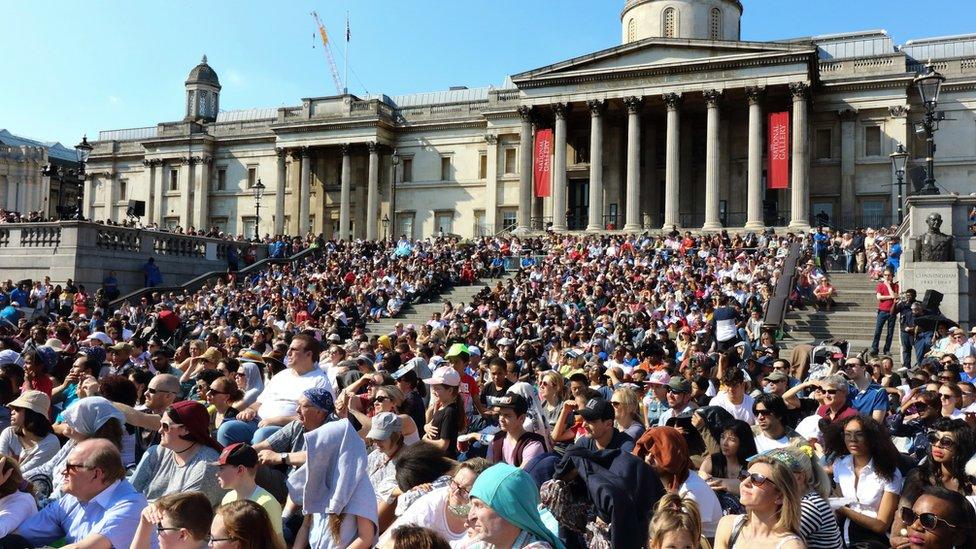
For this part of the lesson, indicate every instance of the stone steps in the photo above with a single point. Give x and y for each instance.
(420, 313)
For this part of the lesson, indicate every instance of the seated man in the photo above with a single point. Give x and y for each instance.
(505, 511)
(237, 473)
(100, 509)
(513, 444)
(598, 419)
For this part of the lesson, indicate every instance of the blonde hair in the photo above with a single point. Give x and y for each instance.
(394, 393)
(674, 513)
(628, 399)
(784, 481)
(557, 382)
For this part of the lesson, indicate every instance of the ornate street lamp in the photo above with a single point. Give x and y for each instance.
(258, 193)
(899, 160)
(386, 224)
(929, 85)
(395, 160)
(84, 150)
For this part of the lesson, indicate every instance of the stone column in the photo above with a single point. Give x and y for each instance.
(345, 190)
(203, 193)
(525, 168)
(847, 155)
(754, 212)
(800, 197)
(373, 191)
(279, 204)
(672, 158)
(161, 180)
(88, 194)
(491, 184)
(595, 214)
(306, 192)
(712, 221)
(150, 167)
(559, 183)
(899, 129)
(633, 216)
(185, 183)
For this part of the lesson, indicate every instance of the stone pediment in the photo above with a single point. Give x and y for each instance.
(664, 53)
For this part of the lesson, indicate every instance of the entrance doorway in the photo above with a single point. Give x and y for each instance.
(578, 204)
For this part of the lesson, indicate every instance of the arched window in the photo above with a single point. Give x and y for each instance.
(631, 30)
(716, 24)
(670, 23)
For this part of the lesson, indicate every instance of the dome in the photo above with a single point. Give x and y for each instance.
(688, 19)
(203, 74)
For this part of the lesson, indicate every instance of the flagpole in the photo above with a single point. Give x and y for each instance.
(345, 89)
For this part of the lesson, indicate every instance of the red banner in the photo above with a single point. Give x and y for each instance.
(778, 174)
(543, 162)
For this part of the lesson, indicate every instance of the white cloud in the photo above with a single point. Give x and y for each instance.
(233, 77)
(114, 100)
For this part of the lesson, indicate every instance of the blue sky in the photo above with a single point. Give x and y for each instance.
(79, 67)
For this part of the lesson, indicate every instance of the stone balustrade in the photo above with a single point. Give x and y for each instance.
(85, 252)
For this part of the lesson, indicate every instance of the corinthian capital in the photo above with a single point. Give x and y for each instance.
(672, 100)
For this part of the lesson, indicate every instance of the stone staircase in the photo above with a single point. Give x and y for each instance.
(419, 313)
(851, 319)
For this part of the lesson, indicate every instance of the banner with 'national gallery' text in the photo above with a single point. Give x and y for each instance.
(542, 162)
(778, 174)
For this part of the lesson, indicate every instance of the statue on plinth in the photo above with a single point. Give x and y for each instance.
(935, 245)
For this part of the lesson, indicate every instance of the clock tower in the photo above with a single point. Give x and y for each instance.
(202, 93)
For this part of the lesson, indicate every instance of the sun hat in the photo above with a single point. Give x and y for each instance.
(37, 401)
(445, 375)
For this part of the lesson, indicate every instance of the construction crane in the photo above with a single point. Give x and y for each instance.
(328, 54)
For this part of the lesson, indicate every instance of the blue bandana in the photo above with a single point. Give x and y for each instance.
(320, 398)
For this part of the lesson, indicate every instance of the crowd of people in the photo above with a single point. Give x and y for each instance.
(600, 391)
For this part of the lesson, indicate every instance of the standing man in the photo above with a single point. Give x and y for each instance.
(886, 292)
(151, 274)
(906, 310)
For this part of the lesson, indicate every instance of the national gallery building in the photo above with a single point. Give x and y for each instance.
(683, 124)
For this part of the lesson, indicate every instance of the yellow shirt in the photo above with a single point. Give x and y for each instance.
(263, 498)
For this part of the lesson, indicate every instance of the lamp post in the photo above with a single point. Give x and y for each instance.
(84, 150)
(395, 161)
(258, 193)
(929, 85)
(899, 159)
(386, 224)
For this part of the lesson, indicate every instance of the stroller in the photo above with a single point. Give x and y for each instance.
(822, 354)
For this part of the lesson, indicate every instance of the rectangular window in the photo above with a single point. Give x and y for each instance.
(510, 161)
(171, 222)
(249, 224)
(872, 213)
(404, 225)
(222, 179)
(483, 166)
(444, 222)
(252, 176)
(509, 217)
(480, 226)
(407, 170)
(123, 189)
(446, 168)
(174, 180)
(872, 141)
(823, 144)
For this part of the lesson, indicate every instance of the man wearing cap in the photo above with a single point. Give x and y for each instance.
(598, 416)
(286, 447)
(679, 400)
(119, 363)
(236, 472)
(656, 400)
(513, 444)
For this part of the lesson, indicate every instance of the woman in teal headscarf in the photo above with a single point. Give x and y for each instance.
(505, 512)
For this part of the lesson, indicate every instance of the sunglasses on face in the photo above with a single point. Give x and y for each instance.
(855, 436)
(70, 468)
(941, 442)
(153, 391)
(165, 427)
(755, 479)
(215, 392)
(944, 396)
(381, 399)
(830, 392)
(928, 521)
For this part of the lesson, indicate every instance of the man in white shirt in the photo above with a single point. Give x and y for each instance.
(277, 405)
(770, 432)
(733, 397)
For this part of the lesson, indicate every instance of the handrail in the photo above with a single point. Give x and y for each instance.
(198, 282)
(779, 303)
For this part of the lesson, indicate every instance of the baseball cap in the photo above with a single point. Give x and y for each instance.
(679, 385)
(457, 350)
(777, 376)
(100, 336)
(251, 355)
(474, 351)
(238, 454)
(384, 425)
(514, 401)
(402, 371)
(55, 344)
(445, 375)
(597, 408)
(33, 400)
(10, 356)
(659, 377)
(504, 342)
(121, 347)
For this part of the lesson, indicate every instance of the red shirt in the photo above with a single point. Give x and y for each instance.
(886, 304)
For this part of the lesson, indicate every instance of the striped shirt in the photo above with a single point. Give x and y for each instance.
(818, 525)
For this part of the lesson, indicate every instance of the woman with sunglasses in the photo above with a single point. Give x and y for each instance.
(866, 472)
(179, 521)
(772, 501)
(818, 524)
(243, 524)
(249, 380)
(444, 510)
(222, 395)
(938, 519)
(951, 444)
(950, 396)
(920, 410)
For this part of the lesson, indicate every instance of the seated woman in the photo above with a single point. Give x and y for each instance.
(951, 445)
(178, 521)
(386, 437)
(867, 472)
(772, 501)
(29, 439)
(243, 524)
(939, 519)
(249, 380)
(389, 399)
(676, 523)
(818, 525)
(824, 294)
(505, 512)
(222, 395)
(721, 469)
(185, 457)
(445, 509)
(16, 500)
(420, 469)
(626, 409)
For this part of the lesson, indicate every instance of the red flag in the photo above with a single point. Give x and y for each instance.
(778, 174)
(542, 162)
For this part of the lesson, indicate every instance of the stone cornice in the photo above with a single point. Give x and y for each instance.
(870, 83)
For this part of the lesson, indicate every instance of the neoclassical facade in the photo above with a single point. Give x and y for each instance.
(668, 128)
(37, 176)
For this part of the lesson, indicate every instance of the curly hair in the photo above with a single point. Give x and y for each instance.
(930, 472)
(876, 440)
